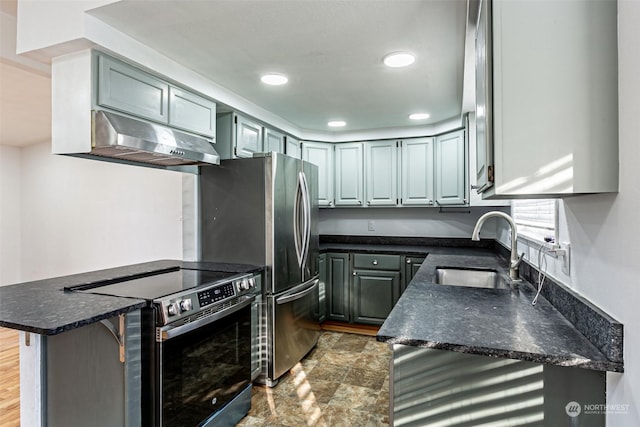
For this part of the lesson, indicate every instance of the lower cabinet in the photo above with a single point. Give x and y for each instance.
(337, 287)
(411, 265)
(373, 293)
(364, 288)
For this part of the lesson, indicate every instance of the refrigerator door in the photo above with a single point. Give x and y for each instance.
(310, 265)
(294, 322)
(283, 212)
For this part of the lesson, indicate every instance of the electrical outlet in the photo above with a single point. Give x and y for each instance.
(371, 226)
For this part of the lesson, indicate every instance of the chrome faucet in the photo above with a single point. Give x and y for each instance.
(515, 259)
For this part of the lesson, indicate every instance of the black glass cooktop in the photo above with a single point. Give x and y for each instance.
(160, 285)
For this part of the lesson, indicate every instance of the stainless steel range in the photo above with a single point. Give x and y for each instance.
(196, 344)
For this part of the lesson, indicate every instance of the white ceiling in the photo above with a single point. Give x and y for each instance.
(331, 50)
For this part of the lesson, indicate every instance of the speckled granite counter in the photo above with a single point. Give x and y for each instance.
(419, 246)
(490, 322)
(43, 307)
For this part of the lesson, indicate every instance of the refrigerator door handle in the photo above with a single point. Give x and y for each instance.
(295, 296)
(307, 217)
(299, 218)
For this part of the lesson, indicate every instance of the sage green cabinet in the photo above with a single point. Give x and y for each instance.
(381, 173)
(450, 168)
(237, 136)
(273, 141)
(191, 112)
(349, 174)
(337, 287)
(321, 155)
(293, 147)
(128, 89)
(411, 265)
(417, 172)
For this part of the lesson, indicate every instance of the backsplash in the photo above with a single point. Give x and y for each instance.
(407, 222)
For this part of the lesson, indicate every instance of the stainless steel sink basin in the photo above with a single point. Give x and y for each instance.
(470, 277)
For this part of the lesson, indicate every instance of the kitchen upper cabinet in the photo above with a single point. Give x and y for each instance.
(248, 137)
(450, 165)
(130, 90)
(321, 155)
(381, 173)
(191, 112)
(349, 174)
(237, 136)
(125, 88)
(337, 286)
(553, 94)
(273, 141)
(293, 147)
(416, 172)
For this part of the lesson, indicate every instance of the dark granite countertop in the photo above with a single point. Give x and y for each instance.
(43, 307)
(490, 322)
(417, 246)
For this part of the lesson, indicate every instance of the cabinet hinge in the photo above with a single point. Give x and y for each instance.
(235, 119)
(235, 151)
(490, 173)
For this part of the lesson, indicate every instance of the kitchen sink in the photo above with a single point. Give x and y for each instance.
(475, 278)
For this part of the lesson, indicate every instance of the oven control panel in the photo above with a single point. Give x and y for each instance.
(186, 304)
(216, 294)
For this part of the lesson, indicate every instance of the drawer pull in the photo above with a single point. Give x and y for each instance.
(374, 262)
(408, 261)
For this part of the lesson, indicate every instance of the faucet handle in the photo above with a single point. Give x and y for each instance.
(517, 261)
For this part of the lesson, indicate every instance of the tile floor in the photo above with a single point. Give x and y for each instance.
(344, 381)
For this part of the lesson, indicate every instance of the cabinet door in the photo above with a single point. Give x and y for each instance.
(248, 137)
(293, 148)
(349, 174)
(321, 155)
(322, 291)
(381, 171)
(191, 112)
(451, 188)
(133, 91)
(337, 287)
(373, 296)
(411, 267)
(417, 172)
(484, 108)
(273, 141)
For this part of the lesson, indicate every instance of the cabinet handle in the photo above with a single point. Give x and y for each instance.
(408, 261)
(368, 202)
(355, 274)
(330, 204)
(374, 262)
(360, 202)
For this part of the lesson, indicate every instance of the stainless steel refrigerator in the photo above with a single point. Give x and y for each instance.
(264, 211)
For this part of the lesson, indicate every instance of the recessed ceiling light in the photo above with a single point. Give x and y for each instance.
(336, 123)
(399, 59)
(274, 79)
(419, 116)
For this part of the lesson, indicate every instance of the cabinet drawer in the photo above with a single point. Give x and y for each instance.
(376, 261)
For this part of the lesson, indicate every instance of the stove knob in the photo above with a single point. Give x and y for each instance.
(252, 282)
(186, 305)
(173, 309)
(244, 285)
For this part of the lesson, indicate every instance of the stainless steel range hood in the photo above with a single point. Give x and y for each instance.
(126, 139)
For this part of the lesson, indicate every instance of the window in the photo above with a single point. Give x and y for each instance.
(536, 219)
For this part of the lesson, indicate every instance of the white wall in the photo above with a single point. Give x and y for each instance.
(405, 222)
(9, 214)
(78, 215)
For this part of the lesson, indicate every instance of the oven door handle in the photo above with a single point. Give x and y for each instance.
(168, 332)
(288, 298)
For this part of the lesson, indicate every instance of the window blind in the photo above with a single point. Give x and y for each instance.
(536, 218)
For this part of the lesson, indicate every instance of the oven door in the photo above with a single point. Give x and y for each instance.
(204, 376)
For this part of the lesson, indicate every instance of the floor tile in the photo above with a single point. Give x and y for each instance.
(365, 378)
